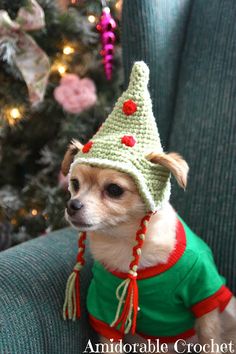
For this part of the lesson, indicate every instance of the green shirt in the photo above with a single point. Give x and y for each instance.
(169, 294)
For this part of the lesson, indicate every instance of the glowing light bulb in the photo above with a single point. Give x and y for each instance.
(61, 69)
(67, 50)
(34, 212)
(91, 18)
(15, 113)
(118, 5)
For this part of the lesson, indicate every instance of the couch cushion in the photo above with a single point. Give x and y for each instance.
(32, 286)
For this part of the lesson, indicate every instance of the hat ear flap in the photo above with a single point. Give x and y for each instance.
(74, 147)
(174, 163)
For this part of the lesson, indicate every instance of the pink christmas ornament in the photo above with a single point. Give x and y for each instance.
(106, 28)
(75, 94)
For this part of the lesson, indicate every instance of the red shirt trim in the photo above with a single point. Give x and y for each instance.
(111, 333)
(160, 268)
(104, 329)
(218, 300)
(187, 334)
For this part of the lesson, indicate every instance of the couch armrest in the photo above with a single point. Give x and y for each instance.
(32, 285)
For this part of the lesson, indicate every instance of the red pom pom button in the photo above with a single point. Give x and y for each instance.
(128, 140)
(87, 147)
(129, 107)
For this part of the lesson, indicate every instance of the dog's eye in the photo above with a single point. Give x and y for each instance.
(113, 190)
(75, 184)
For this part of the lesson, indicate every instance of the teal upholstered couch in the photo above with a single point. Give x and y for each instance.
(191, 49)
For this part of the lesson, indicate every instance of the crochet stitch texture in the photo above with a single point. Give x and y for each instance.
(131, 117)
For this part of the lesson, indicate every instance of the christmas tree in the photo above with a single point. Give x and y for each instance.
(51, 46)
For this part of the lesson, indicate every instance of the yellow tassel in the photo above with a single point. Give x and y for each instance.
(126, 313)
(120, 298)
(71, 308)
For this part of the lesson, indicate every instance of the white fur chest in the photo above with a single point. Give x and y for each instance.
(115, 252)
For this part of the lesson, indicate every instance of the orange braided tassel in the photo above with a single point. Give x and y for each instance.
(77, 295)
(127, 317)
(130, 307)
(71, 308)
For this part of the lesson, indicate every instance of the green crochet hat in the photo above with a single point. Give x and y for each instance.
(127, 136)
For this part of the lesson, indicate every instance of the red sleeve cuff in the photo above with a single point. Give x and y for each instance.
(218, 300)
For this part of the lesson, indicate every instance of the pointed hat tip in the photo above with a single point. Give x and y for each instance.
(139, 74)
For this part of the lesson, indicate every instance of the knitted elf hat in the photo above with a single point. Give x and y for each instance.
(127, 136)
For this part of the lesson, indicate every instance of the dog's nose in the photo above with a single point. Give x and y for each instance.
(73, 206)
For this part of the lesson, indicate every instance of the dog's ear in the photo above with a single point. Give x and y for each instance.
(72, 150)
(174, 163)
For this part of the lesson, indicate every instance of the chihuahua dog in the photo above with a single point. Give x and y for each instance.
(107, 205)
